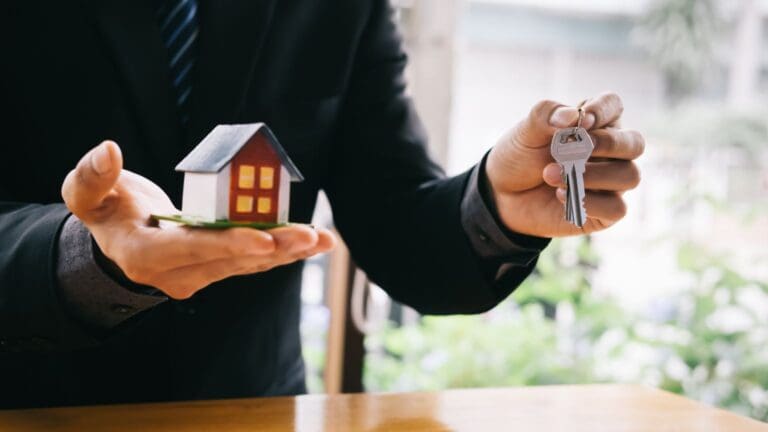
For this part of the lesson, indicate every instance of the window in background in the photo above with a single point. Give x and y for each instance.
(675, 295)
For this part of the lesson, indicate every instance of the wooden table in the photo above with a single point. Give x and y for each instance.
(593, 408)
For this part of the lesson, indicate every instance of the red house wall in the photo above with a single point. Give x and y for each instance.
(259, 153)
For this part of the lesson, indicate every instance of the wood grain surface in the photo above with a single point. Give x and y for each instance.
(592, 408)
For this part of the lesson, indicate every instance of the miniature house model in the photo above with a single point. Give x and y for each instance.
(238, 173)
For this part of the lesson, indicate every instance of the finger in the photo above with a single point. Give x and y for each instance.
(85, 188)
(564, 116)
(326, 241)
(617, 143)
(174, 247)
(294, 239)
(602, 111)
(544, 119)
(183, 282)
(603, 205)
(615, 176)
(553, 175)
(560, 193)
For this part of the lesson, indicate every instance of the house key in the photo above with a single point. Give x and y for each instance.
(571, 147)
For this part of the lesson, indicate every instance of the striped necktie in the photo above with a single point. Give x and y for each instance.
(179, 28)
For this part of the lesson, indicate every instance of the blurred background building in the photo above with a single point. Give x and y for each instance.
(676, 295)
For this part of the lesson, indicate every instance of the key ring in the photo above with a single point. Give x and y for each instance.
(574, 132)
(580, 107)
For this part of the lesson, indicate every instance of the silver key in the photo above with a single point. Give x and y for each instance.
(571, 147)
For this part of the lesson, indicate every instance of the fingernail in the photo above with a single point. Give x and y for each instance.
(100, 160)
(563, 117)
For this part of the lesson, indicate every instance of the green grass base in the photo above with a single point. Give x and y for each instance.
(219, 224)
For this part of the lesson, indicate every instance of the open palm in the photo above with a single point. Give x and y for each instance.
(115, 205)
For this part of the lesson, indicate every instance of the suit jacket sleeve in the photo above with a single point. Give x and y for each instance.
(93, 290)
(31, 315)
(394, 207)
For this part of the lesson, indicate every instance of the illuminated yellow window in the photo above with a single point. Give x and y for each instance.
(267, 177)
(264, 205)
(247, 177)
(244, 204)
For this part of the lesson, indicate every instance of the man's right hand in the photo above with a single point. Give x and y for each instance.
(115, 205)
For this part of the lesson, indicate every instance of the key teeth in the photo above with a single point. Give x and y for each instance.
(582, 213)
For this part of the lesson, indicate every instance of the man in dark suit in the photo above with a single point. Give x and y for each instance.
(98, 305)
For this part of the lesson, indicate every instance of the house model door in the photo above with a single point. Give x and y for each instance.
(254, 183)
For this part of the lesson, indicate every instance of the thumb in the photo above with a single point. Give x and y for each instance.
(91, 181)
(516, 165)
(544, 119)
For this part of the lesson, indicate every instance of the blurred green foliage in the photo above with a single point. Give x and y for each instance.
(709, 342)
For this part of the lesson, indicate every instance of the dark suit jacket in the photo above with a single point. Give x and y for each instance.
(327, 76)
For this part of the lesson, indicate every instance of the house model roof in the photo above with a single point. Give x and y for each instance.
(223, 143)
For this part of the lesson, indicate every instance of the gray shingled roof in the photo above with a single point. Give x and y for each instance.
(223, 143)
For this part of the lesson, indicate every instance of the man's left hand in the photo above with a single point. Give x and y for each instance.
(526, 184)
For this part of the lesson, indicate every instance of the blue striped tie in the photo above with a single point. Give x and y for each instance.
(179, 28)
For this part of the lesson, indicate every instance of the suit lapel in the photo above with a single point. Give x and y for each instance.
(130, 29)
(232, 33)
